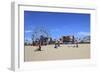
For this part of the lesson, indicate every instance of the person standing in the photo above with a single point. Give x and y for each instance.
(39, 49)
(76, 42)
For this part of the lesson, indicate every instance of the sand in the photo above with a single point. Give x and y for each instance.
(64, 52)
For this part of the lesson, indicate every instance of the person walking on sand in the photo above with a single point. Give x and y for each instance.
(39, 49)
(76, 42)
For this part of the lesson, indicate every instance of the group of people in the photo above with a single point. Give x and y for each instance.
(57, 44)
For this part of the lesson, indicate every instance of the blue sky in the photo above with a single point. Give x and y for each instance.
(58, 24)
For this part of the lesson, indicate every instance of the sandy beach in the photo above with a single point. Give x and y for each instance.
(63, 52)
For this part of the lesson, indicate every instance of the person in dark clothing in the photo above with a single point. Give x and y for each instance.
(76, 42)
(39, 46)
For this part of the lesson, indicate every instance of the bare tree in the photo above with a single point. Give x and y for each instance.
(40, 33)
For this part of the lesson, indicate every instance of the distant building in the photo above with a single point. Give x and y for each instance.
(68, 39)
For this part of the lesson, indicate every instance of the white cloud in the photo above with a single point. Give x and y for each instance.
(83, 33)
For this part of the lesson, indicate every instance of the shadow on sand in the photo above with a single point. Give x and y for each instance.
(38, 49)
